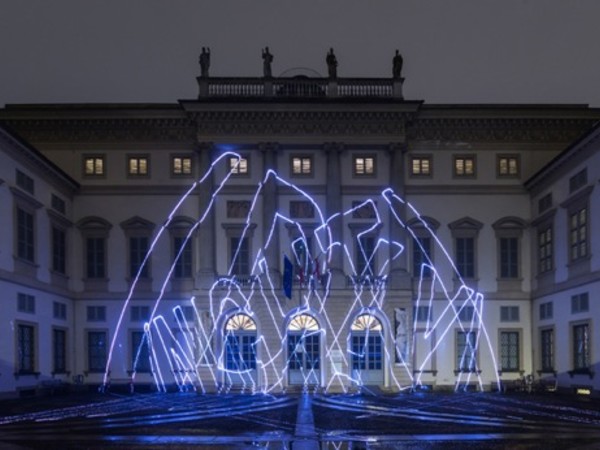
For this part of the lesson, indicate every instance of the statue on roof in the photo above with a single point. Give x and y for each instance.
(332, 63)
(267, 60)
(397, 66)
(204, 62)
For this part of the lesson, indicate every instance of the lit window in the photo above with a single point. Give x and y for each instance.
(508, 166)
(464, 166)
(421, 166)
(302, 165)
(239, 166)
(578, 234)
(364, 165)
(93, 165)
(181, 165)
(138, 166)
(509, 314)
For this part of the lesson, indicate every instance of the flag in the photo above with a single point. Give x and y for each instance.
(288, 276)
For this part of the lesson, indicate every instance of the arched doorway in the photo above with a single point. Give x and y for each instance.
(304, 358)
(239, 350)
(366, 350)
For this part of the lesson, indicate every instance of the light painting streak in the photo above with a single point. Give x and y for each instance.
(210, 353)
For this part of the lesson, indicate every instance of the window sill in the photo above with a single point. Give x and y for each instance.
(587, 372)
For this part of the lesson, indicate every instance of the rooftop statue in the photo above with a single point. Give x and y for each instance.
(397, 66)
(267, 60)
(204, 62)
(331, 64)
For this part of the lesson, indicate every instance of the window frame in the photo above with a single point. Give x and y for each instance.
(465, 157)
(519, 361)
(508, 157)
(134, 344)
(32, 355)
(581, 358)
(95, 157)
(89, 366)
(473, 365)
(182, 157)
(365, 157)
(236, 171)
(301, 158)
(420, 159)
(544, 357)
(56, 368)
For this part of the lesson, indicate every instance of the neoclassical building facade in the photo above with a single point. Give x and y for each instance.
(298, 233)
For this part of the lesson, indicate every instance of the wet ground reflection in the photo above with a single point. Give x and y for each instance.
(407, 421)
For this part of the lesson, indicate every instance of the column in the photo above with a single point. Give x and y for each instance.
(270, 207)
(206, 231)
(333, 206)
(399, 277)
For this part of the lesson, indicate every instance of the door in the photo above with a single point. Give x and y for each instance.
(304, 358)
(239, 351)
(366, 350)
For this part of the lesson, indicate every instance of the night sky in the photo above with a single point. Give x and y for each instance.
(455, 51)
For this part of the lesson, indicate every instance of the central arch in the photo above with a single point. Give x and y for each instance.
(303, 351)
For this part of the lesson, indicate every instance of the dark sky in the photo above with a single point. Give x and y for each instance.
(463, 51)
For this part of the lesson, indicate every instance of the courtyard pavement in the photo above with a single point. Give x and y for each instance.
(301, 422)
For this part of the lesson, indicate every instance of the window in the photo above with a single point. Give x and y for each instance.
(580, 303)
(239, 166)
(96, 313)
(25, 235)
(509, 314)
(508, 166)
(464, 166)
(138, 248)
(189, 314)
(240, 256)
(59, 350)
(545, 259)
(25, 182)
(140, 354)
(420, 166)
(93, 166)
(138, 166)
(465, 257)
(58, 204)
(240, 342)
(547, 351)
(59, 250)
(95, 257)
(545, 203)
(183, 263)
(140, 313)
(365, 256)
(25, 349)
(578, 234)
(509, 351)
(465, 314)
(25, 303)
(59, 310)
(578, 180)
(546, 311)
(364, 165)
(181, 165)
(302, 165)
(422, 313)
(466, 351)
(96, 346)
(421, 255)
(509, 257)
(581, 347)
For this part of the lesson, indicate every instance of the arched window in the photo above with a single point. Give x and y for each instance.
(240, 322)
(240, 343)
(303, 322)
(366, 322)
